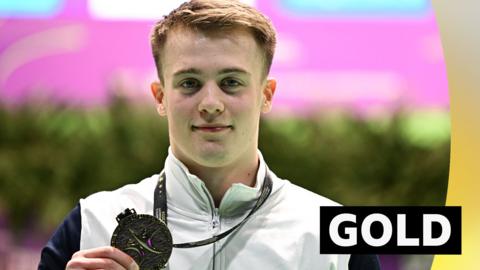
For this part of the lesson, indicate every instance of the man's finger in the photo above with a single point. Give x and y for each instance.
(113, 253)
(93, 263)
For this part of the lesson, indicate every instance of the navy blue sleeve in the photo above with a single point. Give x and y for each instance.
(363, 262)
(64, 242)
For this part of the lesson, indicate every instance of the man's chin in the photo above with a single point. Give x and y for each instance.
(213, 155)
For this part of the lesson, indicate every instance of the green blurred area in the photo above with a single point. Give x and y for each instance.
(51, 156)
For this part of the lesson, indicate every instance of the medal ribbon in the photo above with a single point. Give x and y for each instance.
(160, 209)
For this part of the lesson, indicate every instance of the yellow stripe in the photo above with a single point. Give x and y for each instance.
(458, 23)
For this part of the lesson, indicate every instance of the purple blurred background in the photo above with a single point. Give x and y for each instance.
(362, 55)
(367, 60)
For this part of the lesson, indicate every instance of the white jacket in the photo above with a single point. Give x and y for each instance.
(282, 234)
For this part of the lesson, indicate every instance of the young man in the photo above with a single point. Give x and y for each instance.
(213, 58)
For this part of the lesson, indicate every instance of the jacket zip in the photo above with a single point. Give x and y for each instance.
(215, 230)
(215, 225)
(215, 221)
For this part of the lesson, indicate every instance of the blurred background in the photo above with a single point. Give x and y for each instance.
(361, 112)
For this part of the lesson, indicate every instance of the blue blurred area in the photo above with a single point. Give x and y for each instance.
(29, 8)
(345, 7)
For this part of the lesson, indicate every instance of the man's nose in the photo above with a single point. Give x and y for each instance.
(211, 102)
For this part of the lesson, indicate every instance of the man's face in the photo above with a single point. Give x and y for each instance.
(213, 93)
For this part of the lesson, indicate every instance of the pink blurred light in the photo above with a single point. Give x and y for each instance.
(356, 63)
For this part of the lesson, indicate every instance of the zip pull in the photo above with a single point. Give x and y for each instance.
(215, 221)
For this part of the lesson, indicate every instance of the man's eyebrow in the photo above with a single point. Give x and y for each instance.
(223, 71)
(187, 71)
(234, 70)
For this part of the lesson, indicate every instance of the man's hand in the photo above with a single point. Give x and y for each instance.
(108, 258)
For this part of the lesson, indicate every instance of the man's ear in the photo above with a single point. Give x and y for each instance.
(159, 95)
(268, 93)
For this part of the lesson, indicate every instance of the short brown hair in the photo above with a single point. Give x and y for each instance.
(208, 15)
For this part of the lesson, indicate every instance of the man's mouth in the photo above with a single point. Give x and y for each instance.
(211, 128)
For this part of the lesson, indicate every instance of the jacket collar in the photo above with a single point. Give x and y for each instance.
(188, 193)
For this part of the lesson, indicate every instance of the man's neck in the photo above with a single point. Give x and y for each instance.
(219, 179)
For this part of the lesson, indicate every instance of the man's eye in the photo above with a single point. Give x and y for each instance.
(190, 84)
(230, 83)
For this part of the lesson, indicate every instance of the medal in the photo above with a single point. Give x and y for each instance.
(144, 238)
(147, 238)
